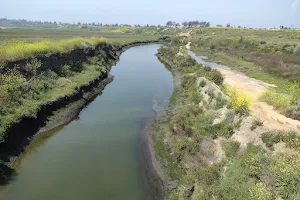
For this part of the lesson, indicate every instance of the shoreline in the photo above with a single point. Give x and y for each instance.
(155, 172)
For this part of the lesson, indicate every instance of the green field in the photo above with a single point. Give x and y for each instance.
(32, 35)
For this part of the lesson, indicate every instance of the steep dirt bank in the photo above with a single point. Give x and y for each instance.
(19, 135)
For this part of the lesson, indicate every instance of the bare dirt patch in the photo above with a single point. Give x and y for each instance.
(270, 117)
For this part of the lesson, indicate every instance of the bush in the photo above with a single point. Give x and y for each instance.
(202, 83)
(77, 67)
(235, 182)
(255, 124)
(231, 148)
(61, 82)
(220, 102)
(238, 101)
(260, 192)
(65, 71)
(297, 50)
(216, 77)
(270, 138)
(32, 66)
(291, 140)
(11, 83)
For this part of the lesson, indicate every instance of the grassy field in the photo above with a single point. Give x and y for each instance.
(272, 56)
(23, 43)
(32, 35)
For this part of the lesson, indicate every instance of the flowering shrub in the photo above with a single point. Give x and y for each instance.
(238, 101)
(260, 192)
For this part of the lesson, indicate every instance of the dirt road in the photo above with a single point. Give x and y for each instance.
(272, 119)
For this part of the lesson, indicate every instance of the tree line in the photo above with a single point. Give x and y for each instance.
(188, 24)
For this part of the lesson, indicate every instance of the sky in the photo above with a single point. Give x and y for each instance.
(249, 13)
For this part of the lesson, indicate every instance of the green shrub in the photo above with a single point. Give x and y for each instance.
(260, 192)
(2, 65)
(11, 83)
(220, 101)
(238, 101)
(235, 182)
(285, 168)
(94, 60)
(202, 83)
(65, 71)
(189, 69)
(231, 148)
(255, 124)
(61, 82)
(195, 97)
(210, 174)
(32, 66)
(254, 164)
(215, 76)
(221, 129)
(271, 138)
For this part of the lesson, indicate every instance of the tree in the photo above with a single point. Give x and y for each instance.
(170, 23)
(228, 25)
(185, 24)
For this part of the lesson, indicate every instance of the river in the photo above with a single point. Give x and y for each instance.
(97, 155)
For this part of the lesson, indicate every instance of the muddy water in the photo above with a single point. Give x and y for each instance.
(97, 155)
(200, 60)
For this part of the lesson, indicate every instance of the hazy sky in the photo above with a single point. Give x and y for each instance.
(251, 13)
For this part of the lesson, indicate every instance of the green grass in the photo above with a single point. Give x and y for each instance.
(33, 35)
(21, 43)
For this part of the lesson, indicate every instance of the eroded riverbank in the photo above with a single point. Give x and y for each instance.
(55, 112)
(98, 156)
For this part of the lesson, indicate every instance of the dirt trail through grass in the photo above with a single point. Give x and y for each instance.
(271, 118)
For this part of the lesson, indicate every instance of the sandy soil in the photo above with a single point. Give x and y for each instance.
(188, 46)
(271, 118)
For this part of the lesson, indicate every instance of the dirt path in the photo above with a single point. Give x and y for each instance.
(272, 119)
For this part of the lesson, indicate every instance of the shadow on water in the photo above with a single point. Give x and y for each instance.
(7, 174)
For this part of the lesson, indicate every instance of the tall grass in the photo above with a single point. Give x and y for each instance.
(14, 50)
(278, 100)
